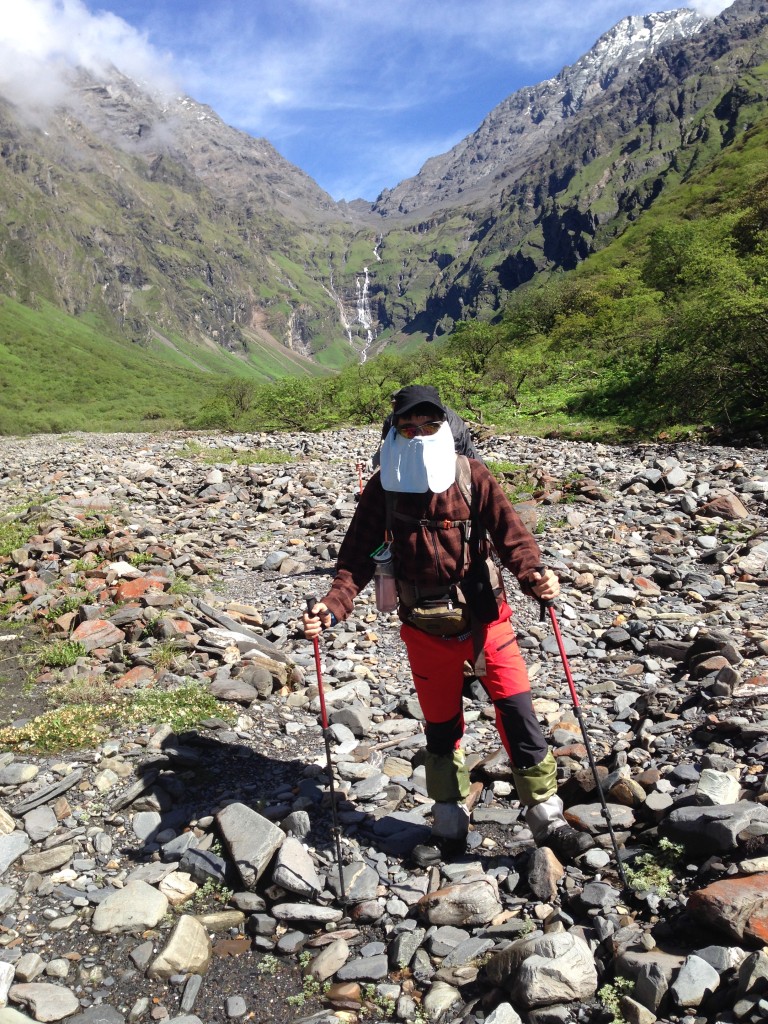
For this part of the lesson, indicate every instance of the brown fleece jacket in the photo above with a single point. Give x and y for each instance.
(424, 554)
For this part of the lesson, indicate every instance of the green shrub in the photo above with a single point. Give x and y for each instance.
(653, 872)
(62, 653)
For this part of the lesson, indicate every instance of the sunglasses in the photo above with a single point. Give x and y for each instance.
(410, 430)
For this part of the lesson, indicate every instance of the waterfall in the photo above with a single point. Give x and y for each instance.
(363, 305)
(377, 246)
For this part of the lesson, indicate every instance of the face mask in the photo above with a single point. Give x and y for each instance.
(419, 464)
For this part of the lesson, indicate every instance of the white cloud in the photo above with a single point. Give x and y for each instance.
(709, 8)
(41, 39)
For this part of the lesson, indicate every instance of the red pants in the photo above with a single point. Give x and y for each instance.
(437, 665)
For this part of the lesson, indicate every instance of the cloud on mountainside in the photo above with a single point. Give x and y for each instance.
(40, 40)
(386, 84)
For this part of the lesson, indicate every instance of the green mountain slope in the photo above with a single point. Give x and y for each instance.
(162, 231)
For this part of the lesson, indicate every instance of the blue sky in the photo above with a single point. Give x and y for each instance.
(358, 94)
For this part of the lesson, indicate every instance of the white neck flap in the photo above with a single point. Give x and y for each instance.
(419, 464)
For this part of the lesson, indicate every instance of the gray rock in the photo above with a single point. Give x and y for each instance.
(696, 980)
(191, 991)
(717, 788)
(467, 952)
(18, 773)
(12, 847)
(235, 1007)
(146, 825)
(294, 869)
(134, 908)
(364, 968)
(716, 829)
(40, 823)
(102, 1014)
(203, 866)
(541, 971)
(361, 882)
(403, 947)
(309, 912)
(651, 985)
(252, 840)
(47, 1002)
(504, 1014)
(7, 973)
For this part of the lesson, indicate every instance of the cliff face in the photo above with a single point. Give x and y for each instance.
(180, 233)
(682, 105)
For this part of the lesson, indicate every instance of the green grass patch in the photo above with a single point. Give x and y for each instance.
(87, 724)
(139, 558)
(258, 457)
(13, 535)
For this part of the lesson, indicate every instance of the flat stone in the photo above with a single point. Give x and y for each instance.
(188, 951)
(136, 907)
(252, 840)
(47, 1002)
(696, 980)
(12, 847)
(48, 860)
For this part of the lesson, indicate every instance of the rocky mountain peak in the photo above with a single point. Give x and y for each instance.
(156, 126)
(521, 126)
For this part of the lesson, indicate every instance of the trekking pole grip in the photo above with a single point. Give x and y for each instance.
(543, 605)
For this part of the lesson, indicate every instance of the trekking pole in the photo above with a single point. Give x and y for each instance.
(311, 602)
(550, 606)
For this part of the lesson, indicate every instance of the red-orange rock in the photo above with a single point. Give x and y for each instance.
(727, 506)
(98, 633)
(129, 590)
(141, 675)
(737, 906)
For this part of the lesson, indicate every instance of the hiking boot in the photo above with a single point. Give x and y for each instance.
(566, 843)
(450, 823)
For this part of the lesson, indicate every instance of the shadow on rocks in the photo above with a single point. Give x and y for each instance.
(178, 792)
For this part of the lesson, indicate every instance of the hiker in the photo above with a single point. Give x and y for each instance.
(462, 438)
(453, 609)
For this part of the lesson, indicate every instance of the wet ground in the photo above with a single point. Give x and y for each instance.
(20, 697)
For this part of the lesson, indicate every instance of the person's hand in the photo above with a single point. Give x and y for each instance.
(316, 621)
(544, 584)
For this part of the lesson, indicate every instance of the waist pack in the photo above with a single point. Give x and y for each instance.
(476, 598)
(439, 617)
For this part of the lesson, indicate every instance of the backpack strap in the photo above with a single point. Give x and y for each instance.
(463, 479)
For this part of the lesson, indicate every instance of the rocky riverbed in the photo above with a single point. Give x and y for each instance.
(161, 871)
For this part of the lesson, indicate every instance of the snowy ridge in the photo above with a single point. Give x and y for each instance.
(522, 125)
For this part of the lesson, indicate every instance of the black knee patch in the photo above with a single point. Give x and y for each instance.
(442, 737)
(521, 729)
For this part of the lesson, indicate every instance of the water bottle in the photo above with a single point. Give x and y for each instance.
(384, 580)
